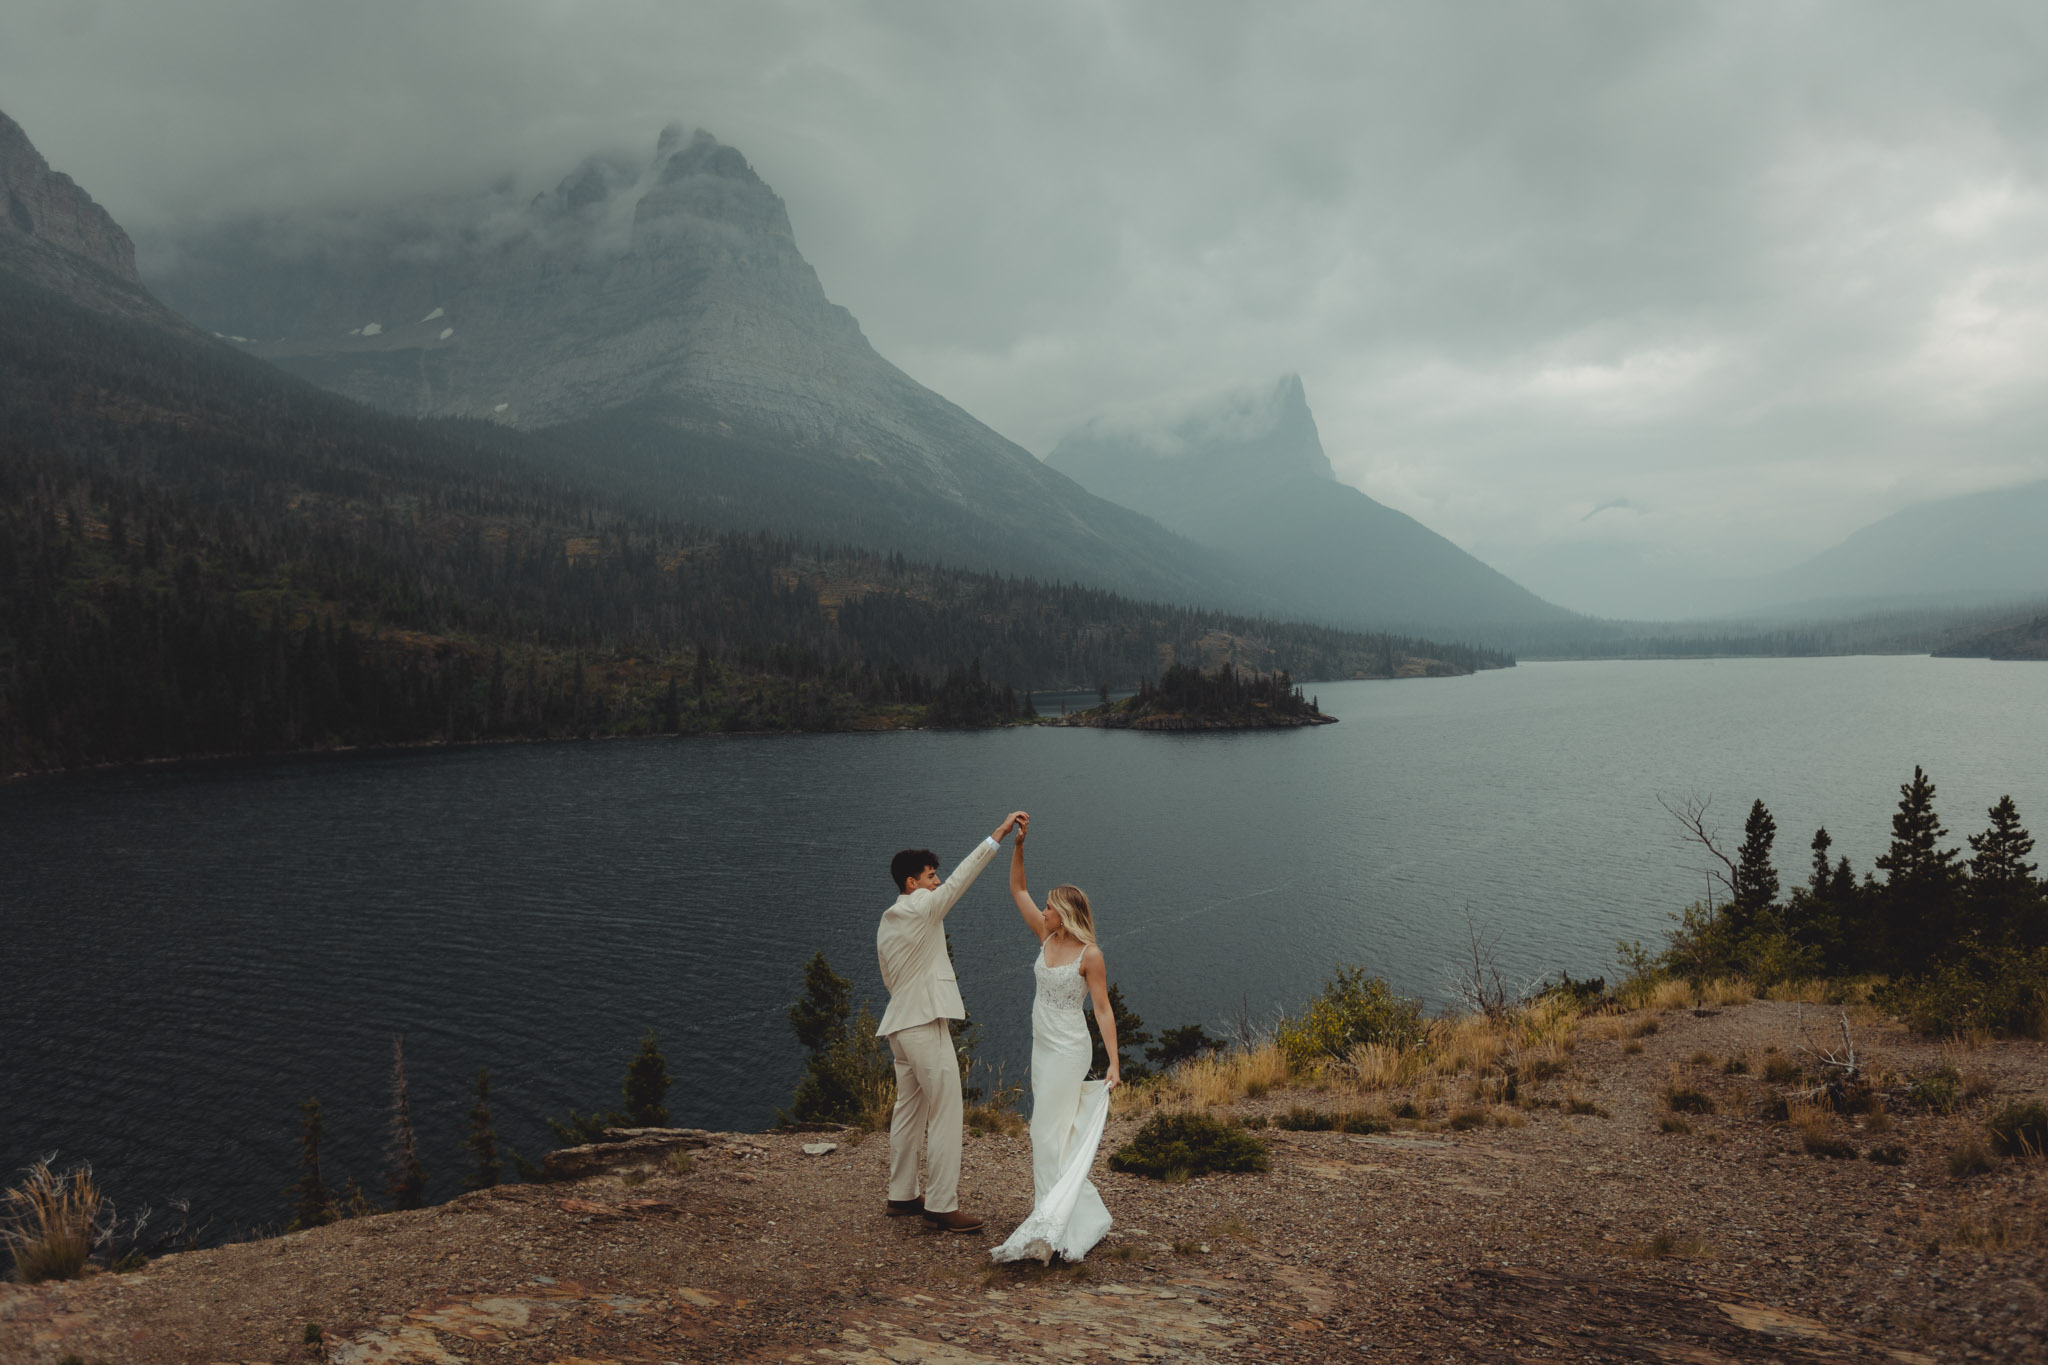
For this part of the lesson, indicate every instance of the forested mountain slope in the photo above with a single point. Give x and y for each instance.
(201, 554)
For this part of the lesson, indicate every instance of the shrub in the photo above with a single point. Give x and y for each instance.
(1891, 1154)
(1252, 1121)
(1177, 1146)
(1683, 1099)
(1631, 1048)
(1970, 1157)
(1671, 1123)
(51, 1222)
(1781, 1070)
(1353, 1008)
(1821, 1143)
(1406, 1109)
(1466, 1119)
(2002, 990)
(1643, 1028)
(1934, 1094)
(1735, 1066)
(2020, 1129)
(1579, 1104)
(1304, 1120)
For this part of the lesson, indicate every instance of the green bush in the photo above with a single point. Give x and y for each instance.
(1177, 1146)
(1353, 1008)
(1934, 1094)
(2020, 1129)
(1304, 1120)
(2002, 989)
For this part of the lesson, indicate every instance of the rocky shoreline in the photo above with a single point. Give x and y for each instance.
(1533, 1233)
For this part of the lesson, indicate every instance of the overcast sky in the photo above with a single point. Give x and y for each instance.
(1608, 293)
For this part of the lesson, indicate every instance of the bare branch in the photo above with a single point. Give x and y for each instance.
(1691, 815)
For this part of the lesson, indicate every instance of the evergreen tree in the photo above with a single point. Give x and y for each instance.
(849, 1069)
(482, 1143)
(646, 1085)
(1922, 878)
(821, 1012)
(406, 1180)
(1756, 877)
(2006, 900)
(312, 1200)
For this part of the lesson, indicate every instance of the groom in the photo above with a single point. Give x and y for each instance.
(923, 1000)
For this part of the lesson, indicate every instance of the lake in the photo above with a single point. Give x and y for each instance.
(191, 950)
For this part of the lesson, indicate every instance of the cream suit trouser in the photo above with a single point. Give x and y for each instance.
(927, 1115)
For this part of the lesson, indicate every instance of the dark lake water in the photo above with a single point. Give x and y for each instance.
(190, 951)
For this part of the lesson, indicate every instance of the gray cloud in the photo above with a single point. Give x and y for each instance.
(1762, 272)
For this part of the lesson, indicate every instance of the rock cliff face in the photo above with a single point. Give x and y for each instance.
(664, 312)
(1246, 473)
(49, 205)
(54, 235)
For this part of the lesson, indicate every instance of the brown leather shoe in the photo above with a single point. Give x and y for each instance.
(955, 1221)
(904, 1208)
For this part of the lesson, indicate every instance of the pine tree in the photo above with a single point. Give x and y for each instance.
(1756, 878)
(406, 1180)
(482, 1143)
(645, 1085)
(2006, 901)
(2000, 863)
(821, 1012)
(312, 1201)
(1921, 879)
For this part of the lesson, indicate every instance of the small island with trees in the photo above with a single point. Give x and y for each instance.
(1186, 698)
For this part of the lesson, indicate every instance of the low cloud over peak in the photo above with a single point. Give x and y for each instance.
(1774, 270)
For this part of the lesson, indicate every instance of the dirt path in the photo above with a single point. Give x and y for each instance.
(1594, 1237)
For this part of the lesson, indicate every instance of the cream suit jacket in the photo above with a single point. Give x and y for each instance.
(911, 943)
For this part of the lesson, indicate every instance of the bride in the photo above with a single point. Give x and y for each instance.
(1068, 1111)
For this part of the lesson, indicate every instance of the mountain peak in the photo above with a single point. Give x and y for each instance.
(50, 207)
(1260, 430)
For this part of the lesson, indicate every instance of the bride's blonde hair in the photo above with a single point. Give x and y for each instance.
(1072, 903)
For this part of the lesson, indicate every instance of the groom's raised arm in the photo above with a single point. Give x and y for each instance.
(970, 867)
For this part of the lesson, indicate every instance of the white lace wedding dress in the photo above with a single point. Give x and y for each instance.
(1068, 1112)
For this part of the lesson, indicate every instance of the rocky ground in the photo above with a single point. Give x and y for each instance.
(1549, 1236)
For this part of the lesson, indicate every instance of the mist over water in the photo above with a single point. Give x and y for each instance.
(194, 949)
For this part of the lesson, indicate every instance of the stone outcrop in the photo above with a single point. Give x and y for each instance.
(623, 1147)
(54, 235)
(49, 206)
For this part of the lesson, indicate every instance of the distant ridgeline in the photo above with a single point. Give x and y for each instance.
(1188, 699)
(202, 555)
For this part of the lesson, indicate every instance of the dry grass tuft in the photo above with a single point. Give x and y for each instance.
(1377, 1066)
(1727, 990)
(1672, 995)
(51, 1221)
(1631, 1048)
(1998, 1232)
(1222, 1078)
(1971, 1157)
(1808, 992)
(1643, 1028)
(1665, 1244)
(1606, 1027)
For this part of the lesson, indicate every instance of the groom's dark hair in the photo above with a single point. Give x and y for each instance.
(911, 862)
